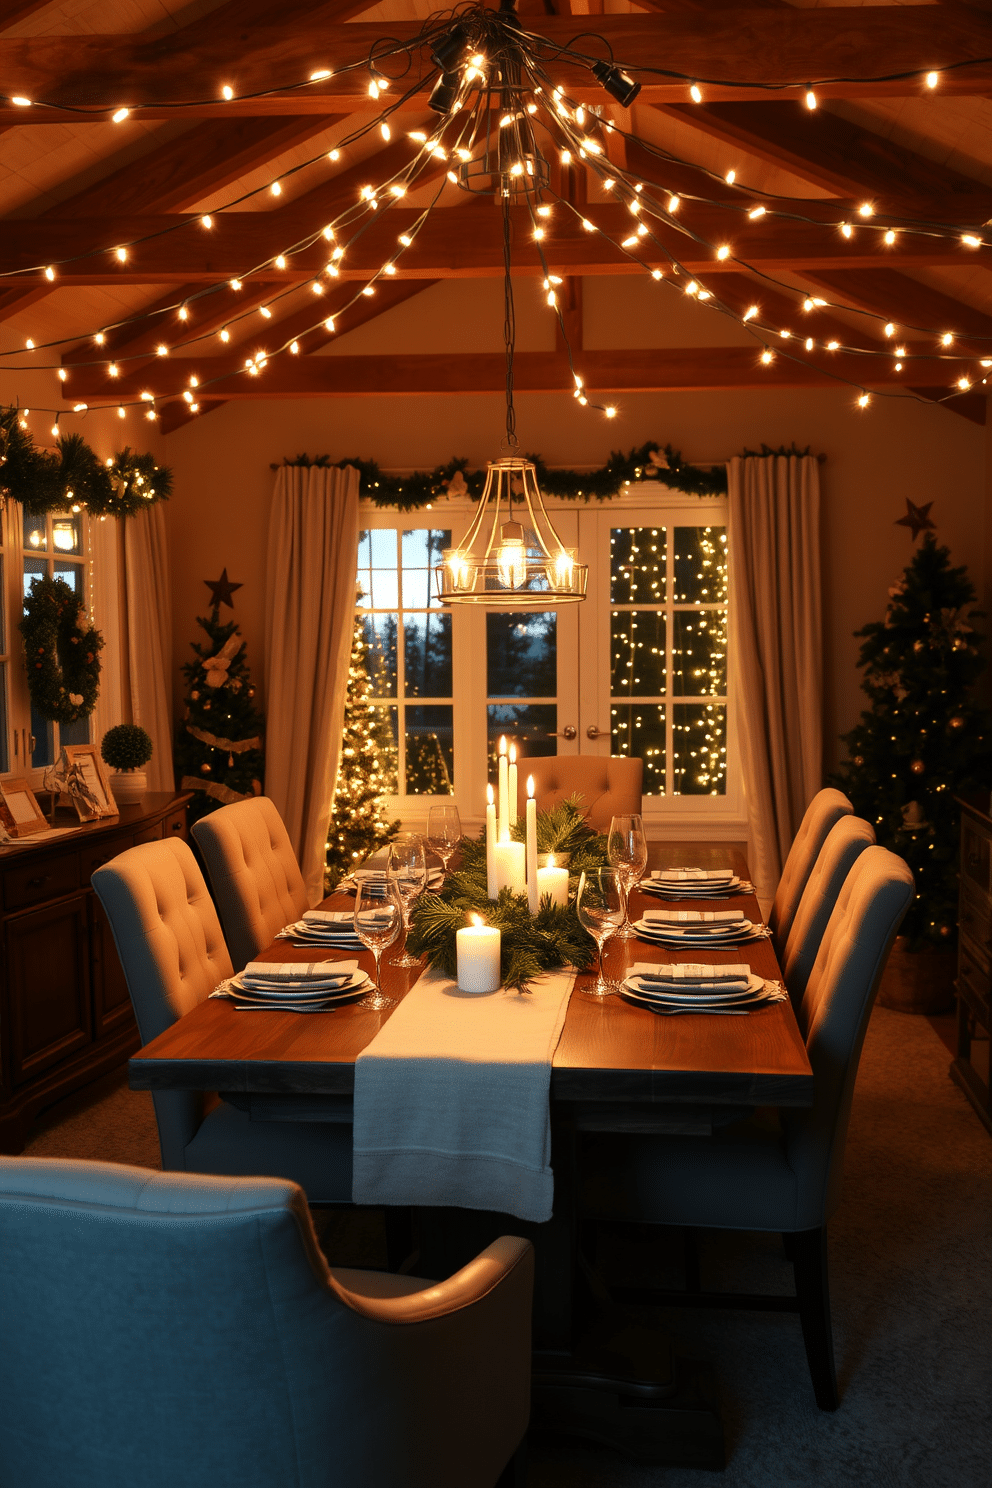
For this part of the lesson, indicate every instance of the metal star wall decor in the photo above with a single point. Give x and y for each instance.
(222, 591)
(917, 519)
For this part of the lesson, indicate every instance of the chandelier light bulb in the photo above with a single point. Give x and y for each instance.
(511, 559)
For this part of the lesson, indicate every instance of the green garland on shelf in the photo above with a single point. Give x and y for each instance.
(61, 652)
(529, 944)
(646, 462)
(72, 476)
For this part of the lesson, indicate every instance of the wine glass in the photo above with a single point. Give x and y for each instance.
(599, 906)
(627, 850)
(378, 921)
(444, 831)
(408, 865)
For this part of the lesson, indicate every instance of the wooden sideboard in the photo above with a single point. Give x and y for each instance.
(65, 1012)
(970, 1069)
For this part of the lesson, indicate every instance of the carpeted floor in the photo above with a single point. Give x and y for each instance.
(911, 1276)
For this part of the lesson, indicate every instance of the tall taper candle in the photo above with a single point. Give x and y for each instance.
(512, 785)
(533, 902)
(491, 888)
(504, 818)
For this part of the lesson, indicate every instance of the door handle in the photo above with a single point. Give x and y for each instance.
(568, 732)
(594, 731)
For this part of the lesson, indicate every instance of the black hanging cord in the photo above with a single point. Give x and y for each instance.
(509, 328)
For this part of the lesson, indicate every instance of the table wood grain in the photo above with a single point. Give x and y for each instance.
(609, 1051)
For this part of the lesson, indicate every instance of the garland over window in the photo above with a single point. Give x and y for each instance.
(72, 476)
(61, 652)
(646, 462)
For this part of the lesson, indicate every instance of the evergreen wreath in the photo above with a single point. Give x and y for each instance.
(61, 652)
(529, 944)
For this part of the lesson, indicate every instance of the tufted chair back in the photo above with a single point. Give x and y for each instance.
(255, 877)
(833, 1019)
(609, 786)
(826, 807)
(173, 953)
(845, 842)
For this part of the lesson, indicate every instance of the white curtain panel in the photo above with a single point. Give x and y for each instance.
(776, 629)
(310, 604)
(149, 637)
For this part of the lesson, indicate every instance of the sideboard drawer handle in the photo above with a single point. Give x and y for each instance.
(36, 883)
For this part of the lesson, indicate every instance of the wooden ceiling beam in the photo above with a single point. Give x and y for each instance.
(769, 46)
(454, 242)
(841, 157)
(907, 303)
(409, 374)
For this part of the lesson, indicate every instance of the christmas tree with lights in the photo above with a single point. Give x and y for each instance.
(219, 742)
(366, 772)
(924, 739)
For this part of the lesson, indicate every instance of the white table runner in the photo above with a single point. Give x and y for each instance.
(451, 1099)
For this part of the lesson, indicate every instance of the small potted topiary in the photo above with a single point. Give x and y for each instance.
(126, 748)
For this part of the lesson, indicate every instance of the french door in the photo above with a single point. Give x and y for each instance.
(640, 667)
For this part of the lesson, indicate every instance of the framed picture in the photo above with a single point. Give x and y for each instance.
(20, 812)
(87, 782)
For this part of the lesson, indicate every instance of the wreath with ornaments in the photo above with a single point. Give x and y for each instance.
(61, 652)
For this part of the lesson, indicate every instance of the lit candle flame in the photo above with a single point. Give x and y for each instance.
(502, 744)
(489, 795)
(551, 860)
(477, 920)
(530, 786)
(513, 754)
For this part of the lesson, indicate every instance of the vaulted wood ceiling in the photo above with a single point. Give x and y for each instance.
(72, 183)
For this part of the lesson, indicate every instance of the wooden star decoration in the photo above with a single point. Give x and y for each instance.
(222, 590)
(917, 519)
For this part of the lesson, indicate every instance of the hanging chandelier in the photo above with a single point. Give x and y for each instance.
(511, 554)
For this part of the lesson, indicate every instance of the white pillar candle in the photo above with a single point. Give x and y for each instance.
(553, 881)
(533, 898)
(491, 888)
(477, 948)
(504, 785)
(512, 785)
(511, 867)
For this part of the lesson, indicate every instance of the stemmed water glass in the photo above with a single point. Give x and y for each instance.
(627, 850)
(408, 865)
(378, 921)
(599, 906)
(444, 831)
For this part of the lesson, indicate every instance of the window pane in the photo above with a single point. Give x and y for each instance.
(637, 653)
(386, 734)
(67, 534)
(700, 565)
(637, 565)
(531, 726)
(638, 729)
(522, 655)
(380, 640)
(4, 746)
(3, 610)
(427, 654)
(44, 740)
(35, 536)
(699, 746)
(75, 733)
(33, 568)
(422, 548)
(699, 653)
(430, 753)
(71, 574)
(377, 574)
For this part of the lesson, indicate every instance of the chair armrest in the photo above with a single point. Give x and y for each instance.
(508, 1259)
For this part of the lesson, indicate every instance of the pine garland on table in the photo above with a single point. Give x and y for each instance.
(529, 945)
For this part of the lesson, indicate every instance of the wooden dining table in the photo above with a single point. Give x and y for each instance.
(617, 1068)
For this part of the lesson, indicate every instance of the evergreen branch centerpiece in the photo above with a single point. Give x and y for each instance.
(529, 944)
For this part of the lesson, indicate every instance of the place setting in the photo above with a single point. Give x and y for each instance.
(698, 927)
(295, 986)
(694, 883)
(691, 987)
(334, 928)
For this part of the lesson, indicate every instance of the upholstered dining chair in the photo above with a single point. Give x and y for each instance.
(826, 807)
(609, 786)
(165, 1328)
(255, 878)
(844, 843)
(173, 953)
(775, 1172)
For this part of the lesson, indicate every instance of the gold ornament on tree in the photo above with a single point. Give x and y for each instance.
(917, 767)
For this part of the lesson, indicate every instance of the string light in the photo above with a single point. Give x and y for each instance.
(21, 101)
(866, 210)
(227, 92)
(207, 222)
(29, 344)
(120, 115)
(695, 93)
(294, 347)
(755, 213)
(863, 400)
(183, 313)
(280, 262)
(225, 334)
(932, 79)
(121, 255)
(49, 273)
(113, 370)
(810, 99)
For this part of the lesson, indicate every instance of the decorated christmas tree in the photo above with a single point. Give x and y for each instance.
(219, 742)
(924, 739)
(366, 773)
